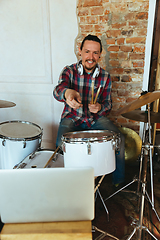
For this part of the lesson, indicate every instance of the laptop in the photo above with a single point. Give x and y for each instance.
(46, 194)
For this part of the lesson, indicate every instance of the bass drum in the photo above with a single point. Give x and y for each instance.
(39, 159)
(17, 140)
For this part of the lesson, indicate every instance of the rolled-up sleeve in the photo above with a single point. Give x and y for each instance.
(63, 85)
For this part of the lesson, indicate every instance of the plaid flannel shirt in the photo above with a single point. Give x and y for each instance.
(70, 78)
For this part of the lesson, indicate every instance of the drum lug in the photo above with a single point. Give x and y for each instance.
(89, 148)
(114, 144)
(24, 144)
(4, 142)
(40, 140)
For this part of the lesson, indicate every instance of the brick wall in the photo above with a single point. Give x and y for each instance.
(122, 27)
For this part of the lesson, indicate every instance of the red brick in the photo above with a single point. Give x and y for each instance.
(136, 56)
(103, 19)
(138, 71)
(127, 32)
(106, 10)
(126, 48)
(114, 63)
(129, 16)
(119, 7)
(128, 100)
(123, 92)
(82, 20)
(115, 79)
(141, 32)
(126, 64)
(138, 64)
(138, 24)
(110, 41)
(91, 3)
(116, 71)
(142, 15)
(113, 33)
(118, 99)
(113, 55)
(83, 11)
(119, 25)
(120, 41)
(91, 19)
(123, 55)
(121, 120)
(113, 48)
(87, 28)
(139, 49)
(115, 17)
(100, 28)
(136, 40)
(97, 10)
(126, 78)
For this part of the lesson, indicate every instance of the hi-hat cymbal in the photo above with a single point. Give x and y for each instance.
(141, 101)
(6, 104)
(142, 116)
(133, 144)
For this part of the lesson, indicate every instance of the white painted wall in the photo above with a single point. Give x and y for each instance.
(36, 41)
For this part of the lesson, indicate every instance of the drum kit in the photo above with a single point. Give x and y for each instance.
(131, 111)
(94, 148)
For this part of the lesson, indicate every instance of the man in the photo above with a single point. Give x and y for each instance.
(75, 89)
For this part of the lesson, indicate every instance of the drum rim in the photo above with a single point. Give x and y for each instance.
(92, 139)
(24, 138)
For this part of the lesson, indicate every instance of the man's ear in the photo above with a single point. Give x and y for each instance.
(79, 51)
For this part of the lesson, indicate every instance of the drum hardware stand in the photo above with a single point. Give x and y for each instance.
(103, 234)
(147, 151)
(97, 190)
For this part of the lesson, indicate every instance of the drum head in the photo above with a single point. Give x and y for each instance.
(18, 130)
(85, 136)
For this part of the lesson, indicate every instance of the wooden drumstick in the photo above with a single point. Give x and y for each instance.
(52, 156)
(92, 91)
(99, 183)
(97, 94)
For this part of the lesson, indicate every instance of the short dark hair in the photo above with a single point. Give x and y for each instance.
(91, 38)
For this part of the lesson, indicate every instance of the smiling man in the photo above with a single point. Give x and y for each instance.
(81, 83)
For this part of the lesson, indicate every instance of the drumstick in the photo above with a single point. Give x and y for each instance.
(99, 183)
(52, 156)
(92, 91)
(97, 94)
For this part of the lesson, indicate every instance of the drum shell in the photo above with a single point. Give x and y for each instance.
(15, 149)
(102, 157)
(39, 159)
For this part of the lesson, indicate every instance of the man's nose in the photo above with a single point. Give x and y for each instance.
(91, 56)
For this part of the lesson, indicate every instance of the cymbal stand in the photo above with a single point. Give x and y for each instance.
(147, 152)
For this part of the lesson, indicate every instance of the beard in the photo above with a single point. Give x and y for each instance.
(90, 68)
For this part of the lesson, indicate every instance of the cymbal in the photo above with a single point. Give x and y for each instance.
(6, 104)
(133, 144)
(142, 100)
(142, 116)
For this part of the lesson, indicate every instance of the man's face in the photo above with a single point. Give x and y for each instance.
(90, 54)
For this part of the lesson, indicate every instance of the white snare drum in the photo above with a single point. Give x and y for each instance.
(90, 148)
(17, 140)
(40, 158)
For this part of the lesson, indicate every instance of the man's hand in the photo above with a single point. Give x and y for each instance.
(73, 98)
(94, 108)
